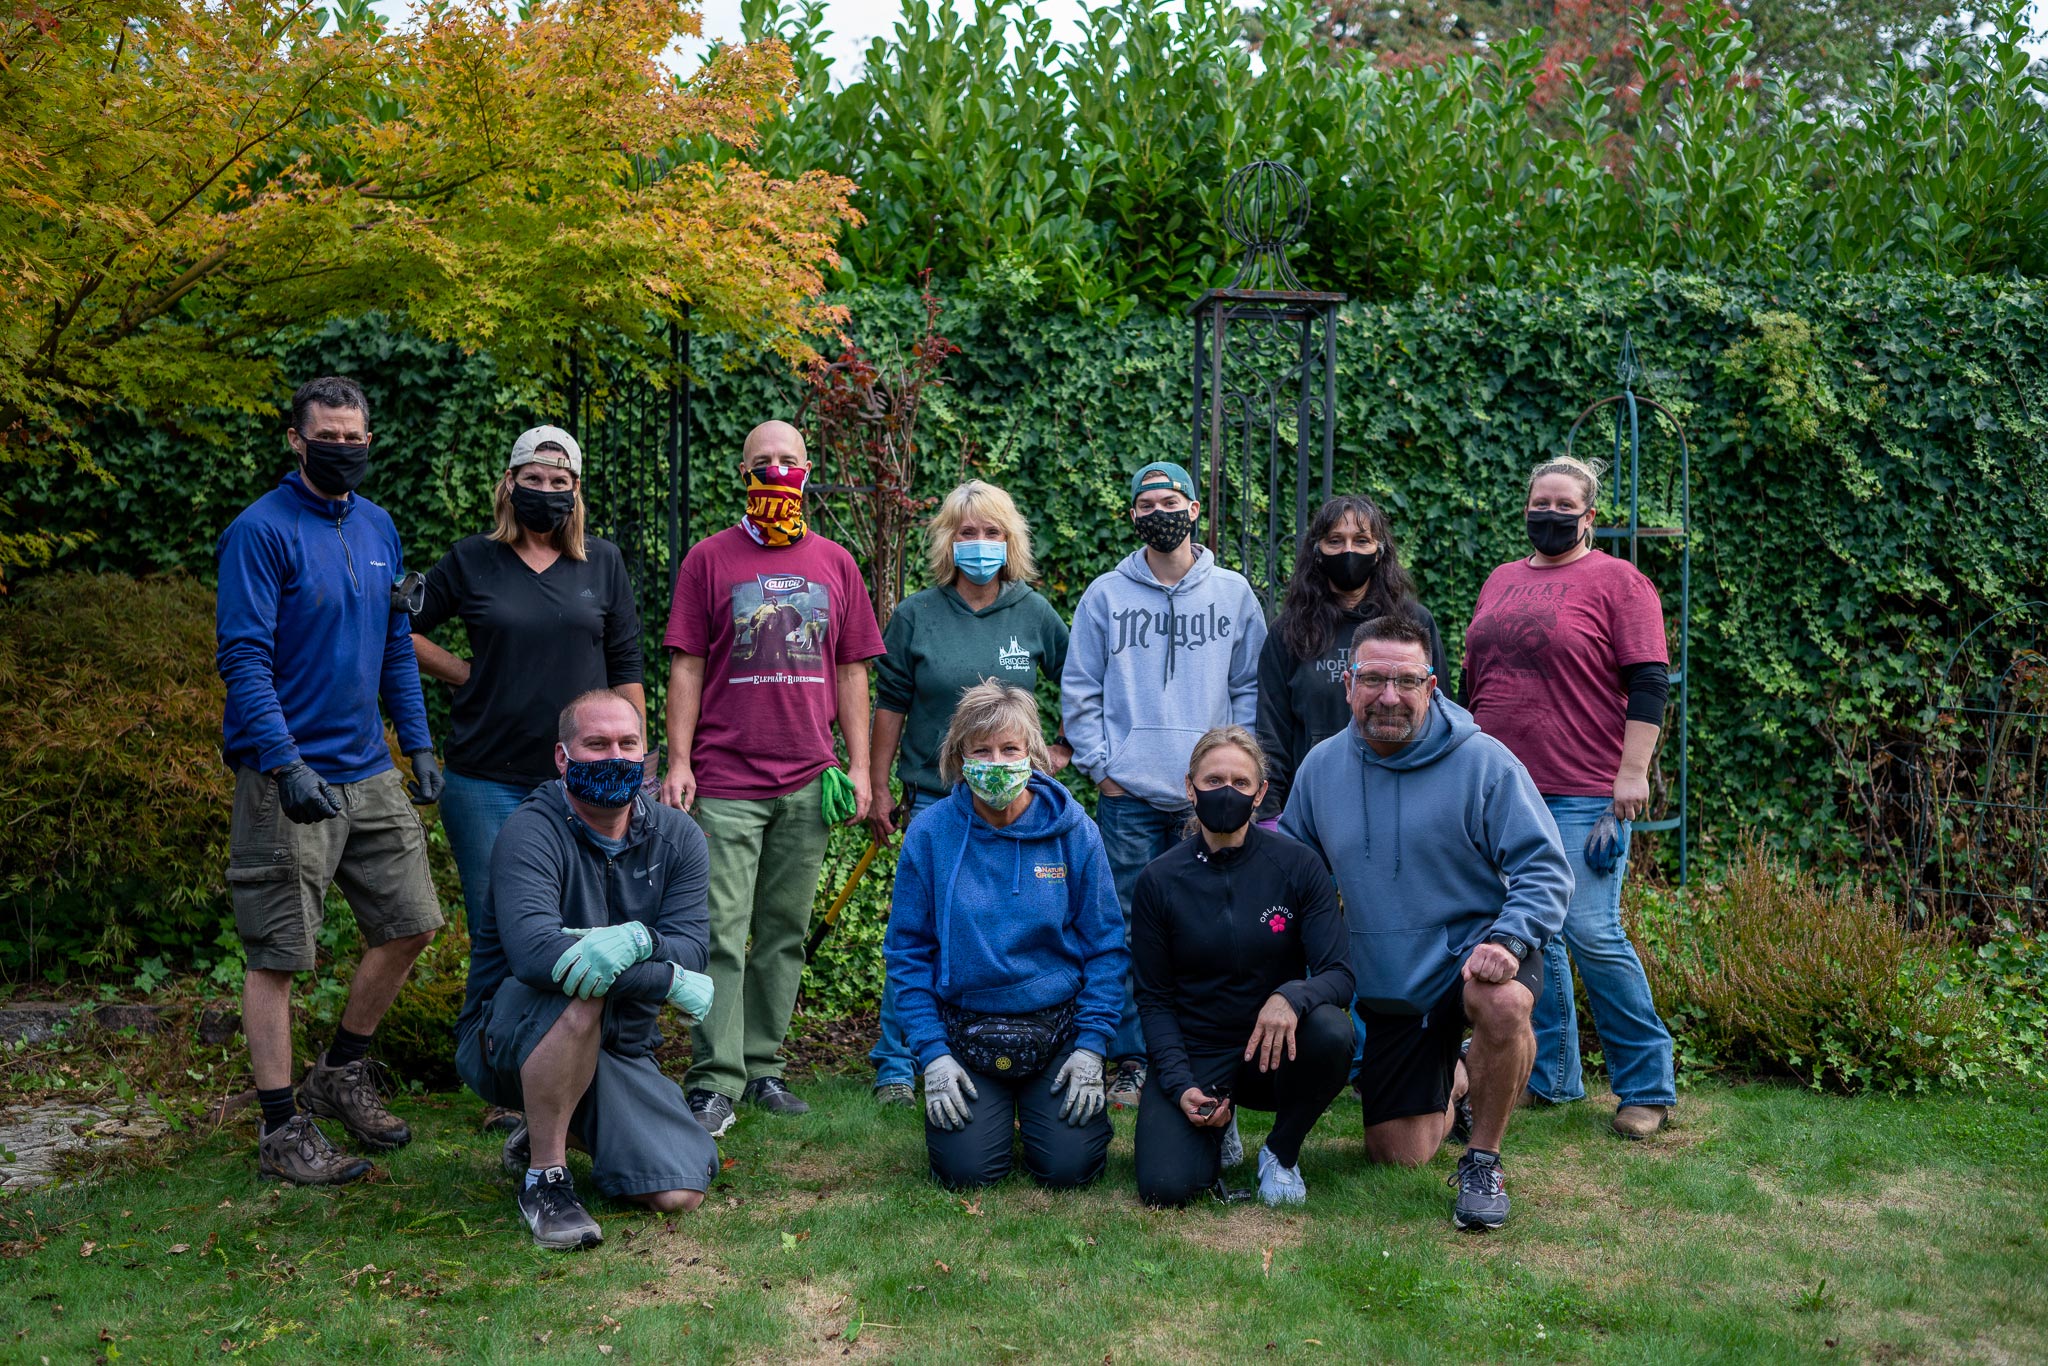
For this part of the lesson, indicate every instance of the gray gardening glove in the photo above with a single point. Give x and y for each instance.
(947, 1089)
(1081, 1077)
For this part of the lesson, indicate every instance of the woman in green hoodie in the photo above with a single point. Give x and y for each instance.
(980, 619)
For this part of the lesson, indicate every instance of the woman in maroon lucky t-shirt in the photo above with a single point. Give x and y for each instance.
(1565, 664)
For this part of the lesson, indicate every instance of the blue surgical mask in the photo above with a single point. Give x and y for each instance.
(980, 560)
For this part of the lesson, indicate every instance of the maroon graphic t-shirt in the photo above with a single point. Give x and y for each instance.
(772, 625)
(1543, 661)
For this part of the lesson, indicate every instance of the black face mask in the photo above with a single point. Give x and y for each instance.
(336, 467)
(542, 511)
(1351, 570)
(1164, 531)
(1222, 810)
(1554, 533)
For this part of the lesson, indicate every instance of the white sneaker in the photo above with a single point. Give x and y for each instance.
(1280, 1185)
(1233, 1146)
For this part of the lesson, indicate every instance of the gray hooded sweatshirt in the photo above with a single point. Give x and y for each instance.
(1434, 847)
(1151, 667)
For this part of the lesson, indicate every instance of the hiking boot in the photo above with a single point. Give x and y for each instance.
(349, 1093)
(1128, 1084)
(296, 1151)
(893, 1093)
(556, 1216)
(1482, 1192)
(1640, 1121)
(1233, 1145)
(498, 1117)
(768, 1093)
(1461, 1115)
(712, 1110)
(1280, 1185)
(517, 1155)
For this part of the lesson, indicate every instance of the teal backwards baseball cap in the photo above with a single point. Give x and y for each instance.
(1177, 479)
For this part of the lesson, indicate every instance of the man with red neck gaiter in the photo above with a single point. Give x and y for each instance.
(769, 633)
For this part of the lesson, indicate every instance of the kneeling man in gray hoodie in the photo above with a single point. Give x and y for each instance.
(1453, 877)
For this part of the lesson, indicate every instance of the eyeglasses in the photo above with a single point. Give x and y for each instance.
(1373, 681)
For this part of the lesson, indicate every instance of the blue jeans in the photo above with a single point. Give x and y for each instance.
(891, 1054)
(473, 811)
(1134, 832)
(1633, 1038)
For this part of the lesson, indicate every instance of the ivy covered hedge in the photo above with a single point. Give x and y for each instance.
(1870, 479)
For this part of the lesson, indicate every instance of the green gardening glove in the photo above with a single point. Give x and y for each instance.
(588, 967)
(838, 800)
(690, 993)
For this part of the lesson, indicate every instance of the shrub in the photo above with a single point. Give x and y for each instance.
(1774, 972)
(2010, 971)
(116, 826)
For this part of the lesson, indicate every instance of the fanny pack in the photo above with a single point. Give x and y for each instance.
(1008, 1045)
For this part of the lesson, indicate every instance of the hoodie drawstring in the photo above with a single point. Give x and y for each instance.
(946, 917)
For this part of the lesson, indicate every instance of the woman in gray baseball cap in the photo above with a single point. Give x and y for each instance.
(549, 614)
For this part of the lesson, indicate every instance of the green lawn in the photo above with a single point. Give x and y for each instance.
(1769, 1224)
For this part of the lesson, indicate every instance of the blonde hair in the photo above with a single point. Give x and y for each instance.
(992, 708)
(505, 528)
(1585, 472)
(977, 499)
(1218, 737)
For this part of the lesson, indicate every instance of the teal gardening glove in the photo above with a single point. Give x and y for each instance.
(588, 967)
(690, 992)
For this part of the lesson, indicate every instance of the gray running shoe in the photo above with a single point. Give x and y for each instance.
(892, 1093)
(712, 1110)
(1128, 1084)
(1482, 1193)
(1280, 1185)
(349, 1093)
(517, 1156)
(768, 1093)
(1233, 1144)
(296, 1151)
(556, 1216)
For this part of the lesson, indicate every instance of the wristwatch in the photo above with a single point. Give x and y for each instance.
(1520, 949)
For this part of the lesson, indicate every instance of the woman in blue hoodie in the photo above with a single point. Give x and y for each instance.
(1006, 947)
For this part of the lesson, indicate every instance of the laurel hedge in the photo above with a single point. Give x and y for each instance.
(1869, 481)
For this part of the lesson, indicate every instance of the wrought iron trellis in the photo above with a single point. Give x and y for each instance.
(1265, 380)
(1980, 775)
(1676, 500)
(635, 435)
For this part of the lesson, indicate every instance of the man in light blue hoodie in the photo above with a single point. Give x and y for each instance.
(1164, 646)
(1453, 878)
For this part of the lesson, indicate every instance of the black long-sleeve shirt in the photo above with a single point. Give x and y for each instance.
(1213, 934)
(536, 641)
(1301, 701)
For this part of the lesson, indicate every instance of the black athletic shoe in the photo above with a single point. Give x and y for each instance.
(1461, 1119)
(517, 1154)
(556, 1216)
(768, 1093)
(712, 1110)
(1482, 1193)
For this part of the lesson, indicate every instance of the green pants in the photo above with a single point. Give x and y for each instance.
(765, 857)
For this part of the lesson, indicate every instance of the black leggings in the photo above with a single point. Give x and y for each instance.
(1056, 1153)
(1178, 1161)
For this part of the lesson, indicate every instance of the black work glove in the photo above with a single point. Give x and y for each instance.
(426, 778)
(1603, 845)
(305, 796)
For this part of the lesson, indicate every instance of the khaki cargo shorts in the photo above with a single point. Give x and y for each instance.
(278, 870)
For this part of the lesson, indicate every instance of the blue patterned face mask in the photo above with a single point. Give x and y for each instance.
(995, 782)
(604, 782)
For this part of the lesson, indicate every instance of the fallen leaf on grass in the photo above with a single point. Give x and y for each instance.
(1266, 1263)
(176, 1248)
(944, 1270)
(728, 1164)
(971, 1207)
(604, 1349)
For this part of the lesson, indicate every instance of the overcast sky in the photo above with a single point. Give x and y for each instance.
(854, 23)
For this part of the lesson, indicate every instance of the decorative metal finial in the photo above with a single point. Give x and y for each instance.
(1265, 207)
(1629, 371)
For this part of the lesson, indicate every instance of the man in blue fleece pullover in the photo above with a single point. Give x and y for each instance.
(309, 640)
(1164, 646)
(1453, 877)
